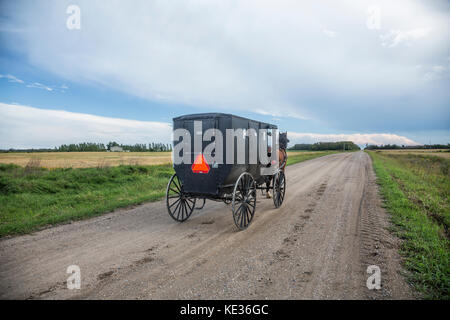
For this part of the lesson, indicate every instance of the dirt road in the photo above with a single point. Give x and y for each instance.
(317, 245)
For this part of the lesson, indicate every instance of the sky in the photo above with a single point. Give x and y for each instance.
(374, 72)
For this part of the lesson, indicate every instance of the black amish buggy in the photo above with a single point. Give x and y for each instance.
(234, 183)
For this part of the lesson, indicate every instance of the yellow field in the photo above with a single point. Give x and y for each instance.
(85, 159)
(91, 159)
(426, 152)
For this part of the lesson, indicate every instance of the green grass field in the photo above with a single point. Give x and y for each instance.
(416, 190)
(32, 197)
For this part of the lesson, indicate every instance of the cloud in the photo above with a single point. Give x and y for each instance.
(357, 138)
(329, 33)
(259, 56)
(436, 72)
(11, 78)
(39, 85)
(396, 37)
(275, 113)
(28, 127)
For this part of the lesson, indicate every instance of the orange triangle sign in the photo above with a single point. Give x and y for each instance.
(200, 165)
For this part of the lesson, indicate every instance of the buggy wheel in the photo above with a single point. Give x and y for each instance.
(199, 208)
(279, 188)
(244, 201)
(178, 204)
(227, 200)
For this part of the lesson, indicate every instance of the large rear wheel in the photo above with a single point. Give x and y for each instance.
(244, 201)
(179, 206)
(279, 188)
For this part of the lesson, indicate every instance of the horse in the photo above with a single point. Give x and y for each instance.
(282, 158)
(282, 154)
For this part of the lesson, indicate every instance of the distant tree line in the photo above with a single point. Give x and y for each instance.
(142, 147)
(81, 147)
(99, 147)
(319, 146)
(394, 146)
(29, 150)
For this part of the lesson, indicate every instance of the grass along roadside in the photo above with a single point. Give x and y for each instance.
(416, 192)
(32, 197)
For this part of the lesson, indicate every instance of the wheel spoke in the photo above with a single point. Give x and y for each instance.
(245, 216)
(242, 217)
(183, 210)
(176, 182)
(238, 214)
(247, 213)
(188, 206)
(177, 210)
(170, 206)
(183, 205)
(180, 211)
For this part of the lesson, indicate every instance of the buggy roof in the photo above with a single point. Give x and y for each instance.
(199, 116)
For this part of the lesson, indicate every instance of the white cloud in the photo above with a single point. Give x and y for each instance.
(11, 78)
(39, 86)
(436, 72)
(396, 37)
(275, 113)
(270, 55)
(357, 138)
(329, 33)
(28, 127)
